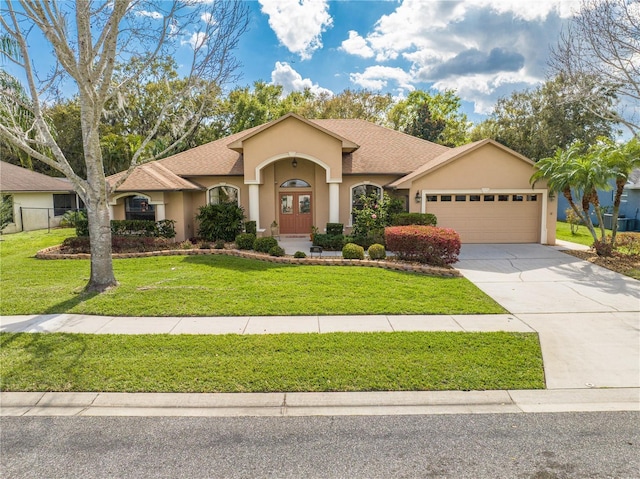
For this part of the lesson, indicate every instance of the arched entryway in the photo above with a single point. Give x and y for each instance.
(295, 207)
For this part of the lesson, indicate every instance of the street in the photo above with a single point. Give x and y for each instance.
(540, 446)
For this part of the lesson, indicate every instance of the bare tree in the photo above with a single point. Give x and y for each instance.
(87, 38)
(598, 56)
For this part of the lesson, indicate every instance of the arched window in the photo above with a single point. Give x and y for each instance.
(358, 191)
(295, 183)
(224, 194)
(138, 208)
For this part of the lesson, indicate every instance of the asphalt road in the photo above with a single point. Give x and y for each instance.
(537, 446)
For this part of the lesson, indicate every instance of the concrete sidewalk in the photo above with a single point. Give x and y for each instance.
(318, 404)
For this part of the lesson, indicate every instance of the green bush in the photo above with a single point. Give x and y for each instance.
(219, 244)
(329, 242)
(136, 228)
(82, 227)
(335, 229)
(264, 244)
(377, 251)
(245, 241)
(166, 228)
(251, 227)
(223, 221)
(276, 251)
(71, 218)
(405, 219)
(300, 254)
(352, 251)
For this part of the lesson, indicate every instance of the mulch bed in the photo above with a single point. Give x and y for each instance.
(628, 265)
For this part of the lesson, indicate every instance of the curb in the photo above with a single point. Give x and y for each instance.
(317, 404)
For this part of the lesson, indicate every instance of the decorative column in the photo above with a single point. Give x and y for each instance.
(110, 211)
(254, 204)
(160, 213)
(334, 202)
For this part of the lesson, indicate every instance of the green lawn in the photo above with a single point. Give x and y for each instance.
(563, 232)
(270, 363)
(220, 286)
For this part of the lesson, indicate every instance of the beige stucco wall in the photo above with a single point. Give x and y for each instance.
(291, 136)
(32, 219)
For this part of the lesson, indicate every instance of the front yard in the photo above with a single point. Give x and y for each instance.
(221, 286)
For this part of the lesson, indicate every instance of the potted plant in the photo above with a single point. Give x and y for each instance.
(314, 231)
(274, 228)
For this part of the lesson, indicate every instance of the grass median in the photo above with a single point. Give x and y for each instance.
(221, 286)
(270, 363)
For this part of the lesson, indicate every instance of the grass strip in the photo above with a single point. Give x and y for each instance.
(270, 363)
(220, 286)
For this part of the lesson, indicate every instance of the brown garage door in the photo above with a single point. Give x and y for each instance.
(504, 218)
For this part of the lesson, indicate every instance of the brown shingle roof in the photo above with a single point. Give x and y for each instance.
(153, 177)
(17, 179)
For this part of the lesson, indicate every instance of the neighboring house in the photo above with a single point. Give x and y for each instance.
(300, 173)
(629, 204)
(39, 201)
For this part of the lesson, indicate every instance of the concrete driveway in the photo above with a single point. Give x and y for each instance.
(587, 317)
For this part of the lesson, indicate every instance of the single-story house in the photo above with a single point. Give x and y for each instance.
(629, 215)
(301, 173)
(39, 201)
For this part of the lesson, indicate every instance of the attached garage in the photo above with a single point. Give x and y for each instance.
(482, 191)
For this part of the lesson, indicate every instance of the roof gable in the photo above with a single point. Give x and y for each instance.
(152, 177)
(237, 145)
(14, 178)
(452, 155)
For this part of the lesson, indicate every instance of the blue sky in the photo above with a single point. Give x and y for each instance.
(482, 49)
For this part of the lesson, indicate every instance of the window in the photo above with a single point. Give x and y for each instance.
(63, 203)
(223, 194)
(445, 198)
(461, 197)
(6, 210)
(358, 191)
(138, 208)
(432, 197)
(489, 198)
(532, 197)
(474, 197)
(517, 198)
(295, 184)
(503, 197)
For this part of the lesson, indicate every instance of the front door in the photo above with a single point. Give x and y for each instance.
(295, 213)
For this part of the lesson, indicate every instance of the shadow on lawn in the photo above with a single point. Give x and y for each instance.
(69, 304)
(234, 263)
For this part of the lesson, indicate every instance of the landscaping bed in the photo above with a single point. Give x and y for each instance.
(626, 264)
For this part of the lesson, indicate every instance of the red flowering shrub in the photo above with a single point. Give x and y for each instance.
(424, 244)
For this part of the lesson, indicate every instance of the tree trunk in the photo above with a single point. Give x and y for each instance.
(102, 277)
(584, 216)
(620, 182)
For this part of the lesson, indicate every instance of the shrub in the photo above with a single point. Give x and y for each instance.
(276, 251)
(166, 228)
(335, 229)
(222, 221)
(424, 244)
(245, 241)
(300, 254)
(219, 244)
(71, 218)
(204, 245)
(264, 244)
(371, 238)
(251, 227)
(405, 219)
(119, 244)
(352, 251)
(377, 251)
(133, 228)
(82, 227)
(329, 242)
(186, 245)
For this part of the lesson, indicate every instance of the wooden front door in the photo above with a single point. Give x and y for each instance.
(296, 213)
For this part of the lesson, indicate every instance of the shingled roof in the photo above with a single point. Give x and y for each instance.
(153, 177)
(14, 179)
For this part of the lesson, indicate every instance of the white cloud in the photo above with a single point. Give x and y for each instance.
(377, 77)
(196, 40)
(154, 15)
(298, 24)
(356, 45)
(482, 48)
(208, 18)
(291, 80)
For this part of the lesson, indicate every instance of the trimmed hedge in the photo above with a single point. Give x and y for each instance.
(329, 242)
(136, 228)
(251, 227)
(406, 219)
(119, 244)
(264, 244)
(377, 251)
(424, 244)
(335, 229)
(245, 241)
(276, 251)
(352, 251)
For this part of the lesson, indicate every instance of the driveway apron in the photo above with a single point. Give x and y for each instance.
(587, 317)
